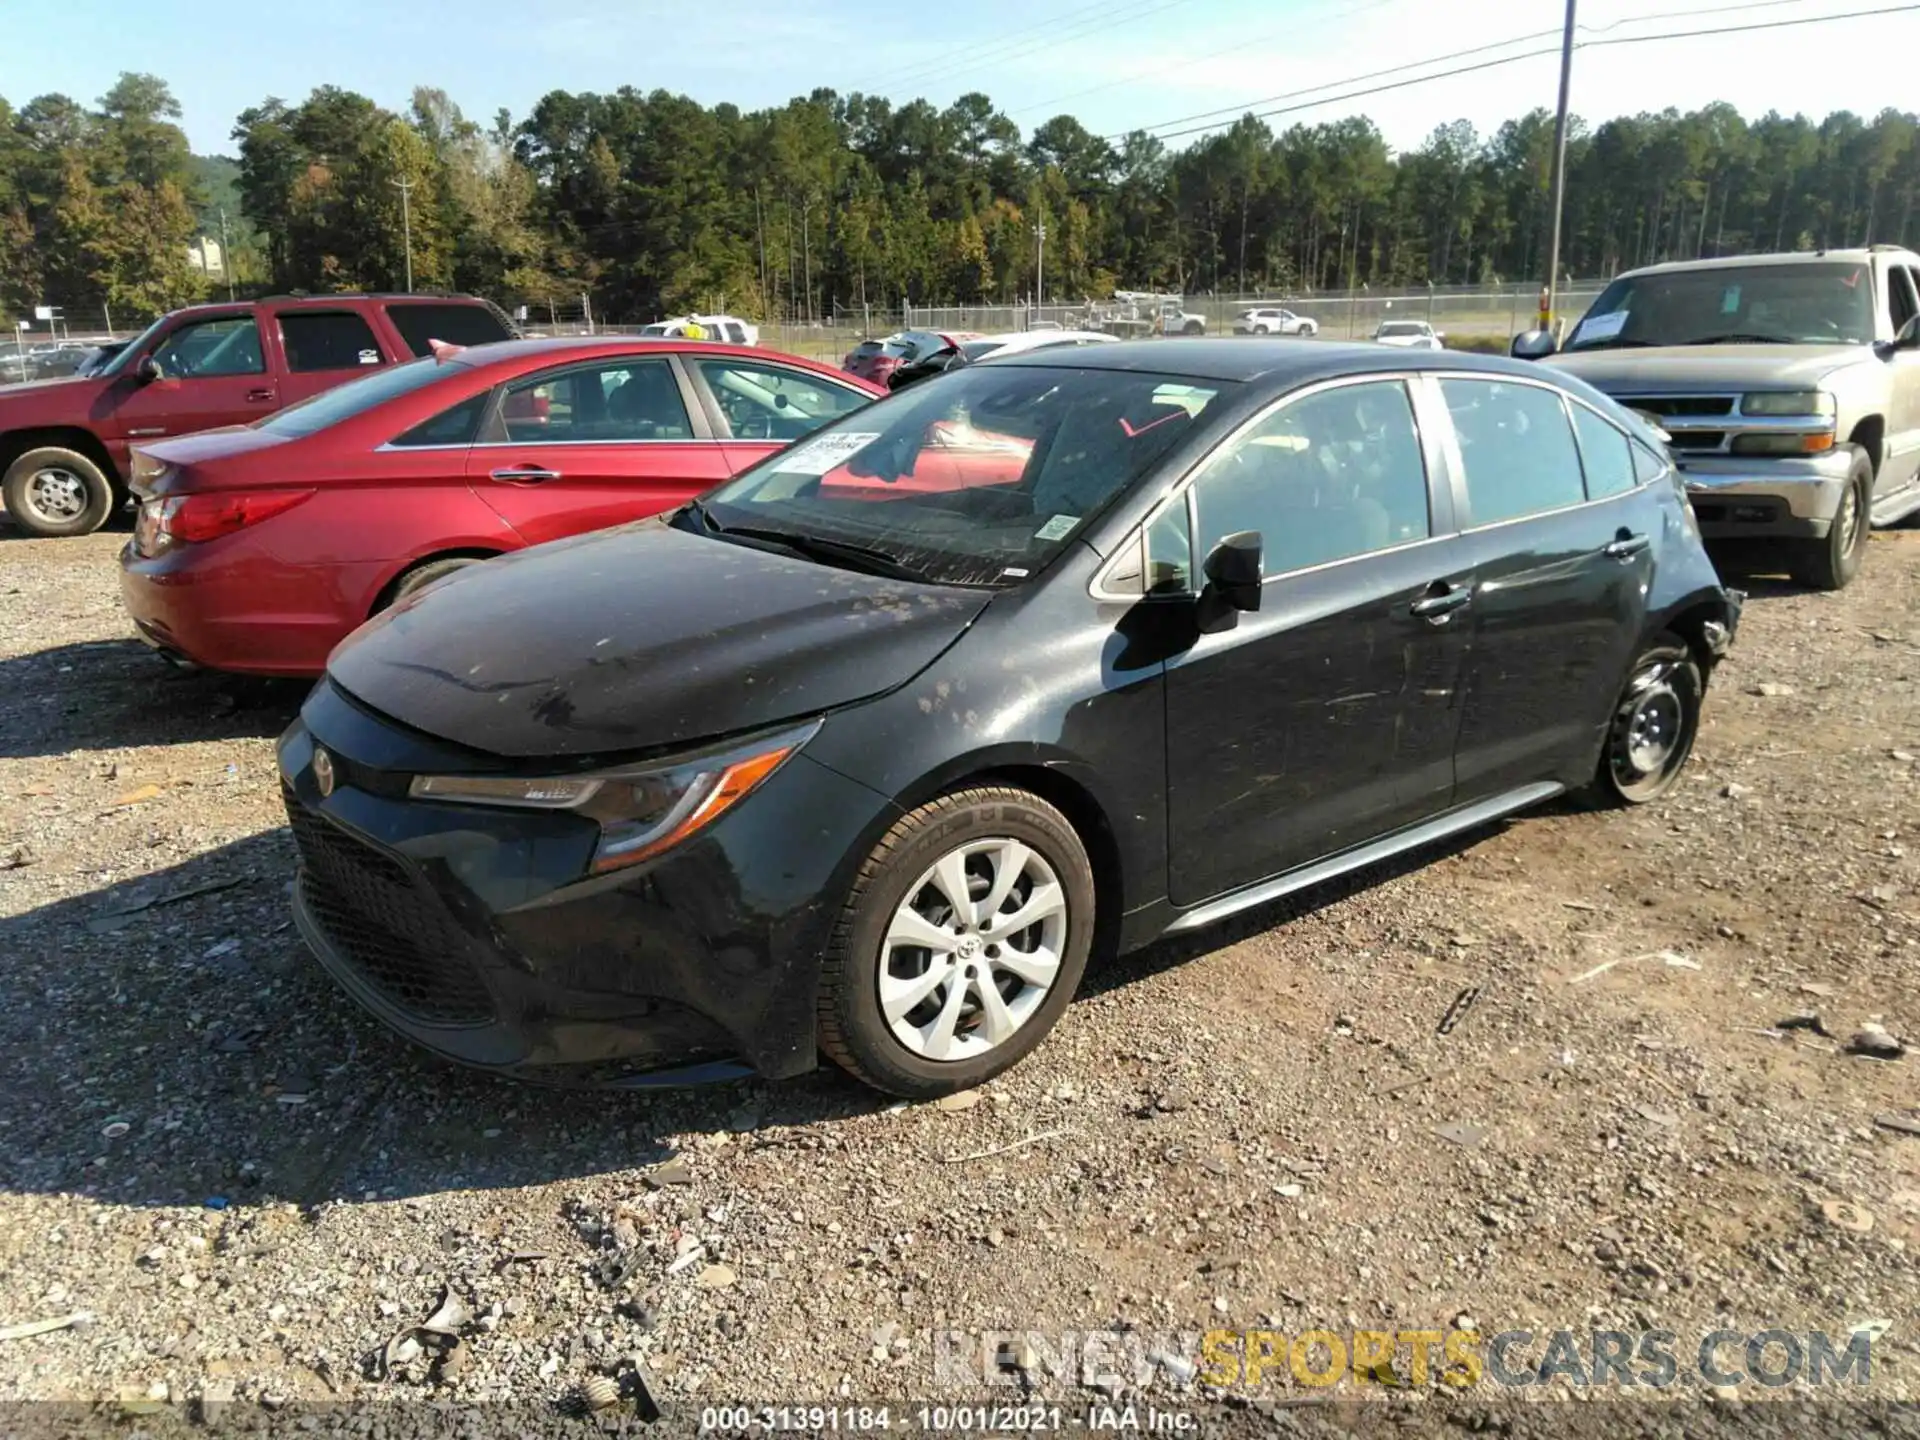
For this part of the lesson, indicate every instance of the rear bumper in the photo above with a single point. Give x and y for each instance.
(228, 605)
(1734, 498)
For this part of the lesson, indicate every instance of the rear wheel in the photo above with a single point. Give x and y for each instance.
(1192, 327)
(1830, 563)
(964, 938)
(54, 491)
(1654, 724)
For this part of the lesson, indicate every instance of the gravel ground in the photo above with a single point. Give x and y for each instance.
(254, 1192)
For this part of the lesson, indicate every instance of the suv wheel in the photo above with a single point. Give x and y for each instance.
(1654, 724)
(52, 491)
(1830, 563)
(964, 938)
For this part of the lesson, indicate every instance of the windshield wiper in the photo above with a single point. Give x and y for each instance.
(1743, 337)
(1616, 343)
(815, 547)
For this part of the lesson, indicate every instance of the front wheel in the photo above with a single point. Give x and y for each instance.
(964, 938)
(1654, 724)
(54, 491)
(1832, 562)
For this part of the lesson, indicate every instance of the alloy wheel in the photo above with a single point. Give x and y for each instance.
(973, 950)
(56, 495)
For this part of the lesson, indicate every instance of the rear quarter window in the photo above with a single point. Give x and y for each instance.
(420, 322)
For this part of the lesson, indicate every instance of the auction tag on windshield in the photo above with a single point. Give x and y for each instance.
(1056, 527)
(1730, 300)
(818, 456)
(1602, 327)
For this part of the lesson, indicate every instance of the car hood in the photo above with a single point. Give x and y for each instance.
(56, 388)
(1716, 367)
(639, 638)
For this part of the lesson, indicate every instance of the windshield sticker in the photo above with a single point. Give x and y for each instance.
(818, 456)
(1602, 327)
(1056, 527)
(1730, 300)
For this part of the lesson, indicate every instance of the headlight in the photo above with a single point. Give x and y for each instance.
(641, 810)
(1790, 444)
(1787, 402)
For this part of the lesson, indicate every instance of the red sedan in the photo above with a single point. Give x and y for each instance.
(258, 549)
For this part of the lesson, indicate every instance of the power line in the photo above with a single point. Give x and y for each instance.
(920, 67)
(1229, 50)
(1215, 124)
(1001, 55)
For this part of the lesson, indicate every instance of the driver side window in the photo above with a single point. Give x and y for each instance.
(1334, 474)
(204, 349)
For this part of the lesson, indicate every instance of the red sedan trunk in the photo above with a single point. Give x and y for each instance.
(258, 549)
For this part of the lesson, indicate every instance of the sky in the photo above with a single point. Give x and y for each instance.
(1114, 65)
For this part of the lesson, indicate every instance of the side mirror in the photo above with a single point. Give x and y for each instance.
(148, 370)
(1533, 345)
(1233, 569)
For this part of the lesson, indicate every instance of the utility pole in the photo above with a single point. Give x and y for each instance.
(1039, 266)
(405, 187)
(1559, 165)
(226, 254)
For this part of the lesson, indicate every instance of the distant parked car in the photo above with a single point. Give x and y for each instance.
(876, 360)
(1409, 335)
(1272, 320)
(993, 347)
(722, 329)
(65, 446)
(97, 357)
(870, 771)
(258, 548)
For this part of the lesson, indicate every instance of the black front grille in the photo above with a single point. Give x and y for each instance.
(388, 924)
(1670, 405)
(1696, 439)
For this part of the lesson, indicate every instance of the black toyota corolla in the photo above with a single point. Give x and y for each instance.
(870, 749)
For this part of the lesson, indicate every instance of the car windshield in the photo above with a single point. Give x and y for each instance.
(1799, 303)
(1403, 327)
(355, 397)
(980, 479)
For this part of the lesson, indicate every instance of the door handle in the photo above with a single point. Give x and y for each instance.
(261, 396)
(1436, 607)
(1626, 546)
(524, 475)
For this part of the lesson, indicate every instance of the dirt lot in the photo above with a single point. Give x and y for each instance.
(251, 1189)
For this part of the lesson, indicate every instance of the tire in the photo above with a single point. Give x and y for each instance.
(424, 574)
(981, 827)
(1259, 329)
(1192, 327)
(53, 491)
(1654, 724)
(1832, 562)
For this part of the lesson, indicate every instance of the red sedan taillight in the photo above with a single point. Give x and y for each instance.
(190, 519)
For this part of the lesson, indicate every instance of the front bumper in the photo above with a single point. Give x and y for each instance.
(477, 932)
(1789, 498)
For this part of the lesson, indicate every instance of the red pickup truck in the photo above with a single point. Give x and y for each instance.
(64, 444)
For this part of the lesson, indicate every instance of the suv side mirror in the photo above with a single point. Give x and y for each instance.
(1233, 569)
(148, 370)
(1533, 345)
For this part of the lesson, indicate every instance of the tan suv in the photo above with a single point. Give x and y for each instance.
(1790, 385)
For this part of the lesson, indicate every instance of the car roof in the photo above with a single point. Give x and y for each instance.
(1856, 256)
(1025, 339)
(507, 353)
(1283, 363)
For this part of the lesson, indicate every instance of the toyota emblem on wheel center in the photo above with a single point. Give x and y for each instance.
(323, 771)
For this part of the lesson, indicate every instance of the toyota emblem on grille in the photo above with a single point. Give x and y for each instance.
(323, 771)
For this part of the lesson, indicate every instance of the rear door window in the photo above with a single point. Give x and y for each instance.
(1605, 455)
(327, 340)
(456, 426)
(422, 321)
(1517, 449)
